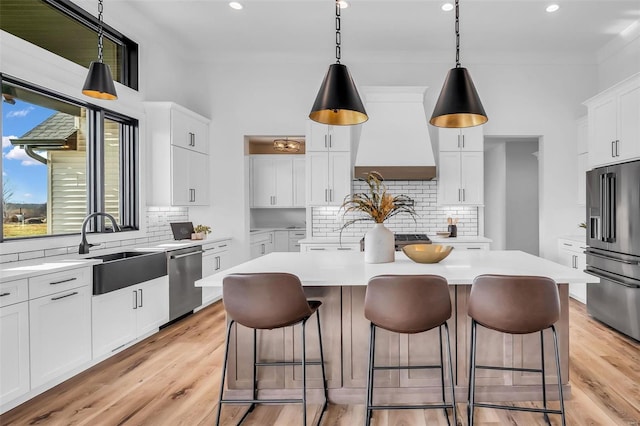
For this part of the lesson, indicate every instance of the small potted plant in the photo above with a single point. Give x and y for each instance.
(200, 232)
(377, 205)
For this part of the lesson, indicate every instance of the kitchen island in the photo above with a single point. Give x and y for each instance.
(339, 280)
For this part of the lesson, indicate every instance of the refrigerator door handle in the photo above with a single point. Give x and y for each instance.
(603, 208)
(601, 256)
(612, 208)
(608, 278)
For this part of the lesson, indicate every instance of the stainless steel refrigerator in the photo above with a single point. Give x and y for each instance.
(613, 239)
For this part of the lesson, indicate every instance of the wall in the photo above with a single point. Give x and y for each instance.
(522, 194)
(430, 217)
(521, 99)
(495, 188)
(277, 218)
(620, 58)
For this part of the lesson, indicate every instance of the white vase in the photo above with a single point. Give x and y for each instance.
(379, 245)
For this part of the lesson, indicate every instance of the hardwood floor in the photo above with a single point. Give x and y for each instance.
(172, 378)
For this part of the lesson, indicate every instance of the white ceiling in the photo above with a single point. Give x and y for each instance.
(214, 31)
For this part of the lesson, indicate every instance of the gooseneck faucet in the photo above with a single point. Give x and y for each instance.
(84, 244)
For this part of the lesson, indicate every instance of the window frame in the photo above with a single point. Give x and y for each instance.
(129, 162)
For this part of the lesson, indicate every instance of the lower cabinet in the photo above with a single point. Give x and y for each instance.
(60, 330)
(214, 259)
(330, 247)
(14, 351)
(261, 243)
(120, 317)
(572, 255)
(468, 246)
(288, 241)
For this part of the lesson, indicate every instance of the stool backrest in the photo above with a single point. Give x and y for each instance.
(265, 300)
(407, 303)
(513, 303)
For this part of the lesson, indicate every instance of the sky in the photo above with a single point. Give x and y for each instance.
(22, 174)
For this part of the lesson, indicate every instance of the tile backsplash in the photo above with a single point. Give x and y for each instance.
(326, 221)
(158, 229)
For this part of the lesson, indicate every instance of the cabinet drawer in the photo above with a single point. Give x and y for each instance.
(13, 292)
(58, 281)
(572, 246)
(330, 247)
(262, 237)
(469, 246)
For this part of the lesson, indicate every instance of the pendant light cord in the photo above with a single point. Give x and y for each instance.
(457, 35)
(100, 31)
(338, 35)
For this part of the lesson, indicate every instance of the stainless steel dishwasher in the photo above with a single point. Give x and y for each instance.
(184, 267)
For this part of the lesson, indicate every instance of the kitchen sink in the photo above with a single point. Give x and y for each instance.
(126, 268)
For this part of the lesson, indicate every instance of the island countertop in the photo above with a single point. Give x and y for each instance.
(349, 268)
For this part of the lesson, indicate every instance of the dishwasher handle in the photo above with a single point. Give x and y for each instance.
(180, 256)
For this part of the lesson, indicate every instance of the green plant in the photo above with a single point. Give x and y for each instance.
(204, 229)
(377, 204)
(582, 225)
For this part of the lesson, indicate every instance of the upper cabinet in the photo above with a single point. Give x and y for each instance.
(321, 137)
(467, 139)
(177, 149)
(277, 180)
(614, 124)
(461, 166)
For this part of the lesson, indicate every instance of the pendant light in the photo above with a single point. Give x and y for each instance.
(338, 101)
(99, 83)
(458, 104)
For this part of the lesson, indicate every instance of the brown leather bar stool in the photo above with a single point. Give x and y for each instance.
(516, 305)
(266, 301)
(408, 304)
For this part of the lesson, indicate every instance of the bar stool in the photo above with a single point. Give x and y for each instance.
(515, 305)
(267, 301)
(408, 304)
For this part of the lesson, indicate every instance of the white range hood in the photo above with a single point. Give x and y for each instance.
(395, 140)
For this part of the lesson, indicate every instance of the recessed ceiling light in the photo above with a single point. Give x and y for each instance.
(235, 5)
(552, 8)
(447, 7)
(342, 4)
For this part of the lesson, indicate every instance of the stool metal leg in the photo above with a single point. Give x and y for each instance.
(255, 368)
(453, 390)
(324, 377)
(224, 370)
(304, 374)
(472, 373)
(372, 350)
(442, 368)
(544, 379)
(557, 350)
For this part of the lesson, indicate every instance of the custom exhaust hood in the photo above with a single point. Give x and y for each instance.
(395, 141)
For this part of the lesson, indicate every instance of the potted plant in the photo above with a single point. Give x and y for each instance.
(200, 232)
(377, 205)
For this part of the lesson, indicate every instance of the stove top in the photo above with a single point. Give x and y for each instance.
(402, 240)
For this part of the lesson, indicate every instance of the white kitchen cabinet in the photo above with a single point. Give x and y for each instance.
(572, 254)
(190, 178)
(177, 152)
(294, 239)
(281, 241)
(121, 316)
(288, 241)
(214, 259)
(467, 139)
(261, 243)
(14, 350)
(322, 137)
(461, 178)
(60, 333)
(275, 181)
(329, 177)
(467, 246)
(614, 127)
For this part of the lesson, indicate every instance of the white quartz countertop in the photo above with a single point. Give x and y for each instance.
(349, 268)
(45, 265)
(434, 238)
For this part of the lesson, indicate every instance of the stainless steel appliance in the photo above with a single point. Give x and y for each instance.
(402, 240)
(184, 267)
(613, 252)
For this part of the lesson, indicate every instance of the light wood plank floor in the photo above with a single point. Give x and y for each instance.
(172, 378)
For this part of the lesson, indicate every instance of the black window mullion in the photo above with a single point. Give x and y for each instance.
(95, 166)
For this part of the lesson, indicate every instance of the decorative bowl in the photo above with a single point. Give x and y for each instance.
(444, 234)
(427, 253)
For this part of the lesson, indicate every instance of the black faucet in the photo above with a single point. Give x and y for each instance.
(84, 244)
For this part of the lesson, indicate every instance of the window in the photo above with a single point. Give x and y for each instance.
(62, 159)
(71, 32)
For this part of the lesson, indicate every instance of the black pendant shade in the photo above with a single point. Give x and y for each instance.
(99, 83)
(458, 104)
(338, 101)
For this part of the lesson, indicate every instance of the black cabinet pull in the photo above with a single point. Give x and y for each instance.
(63, 281)
(66, 295)
(5, 294)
